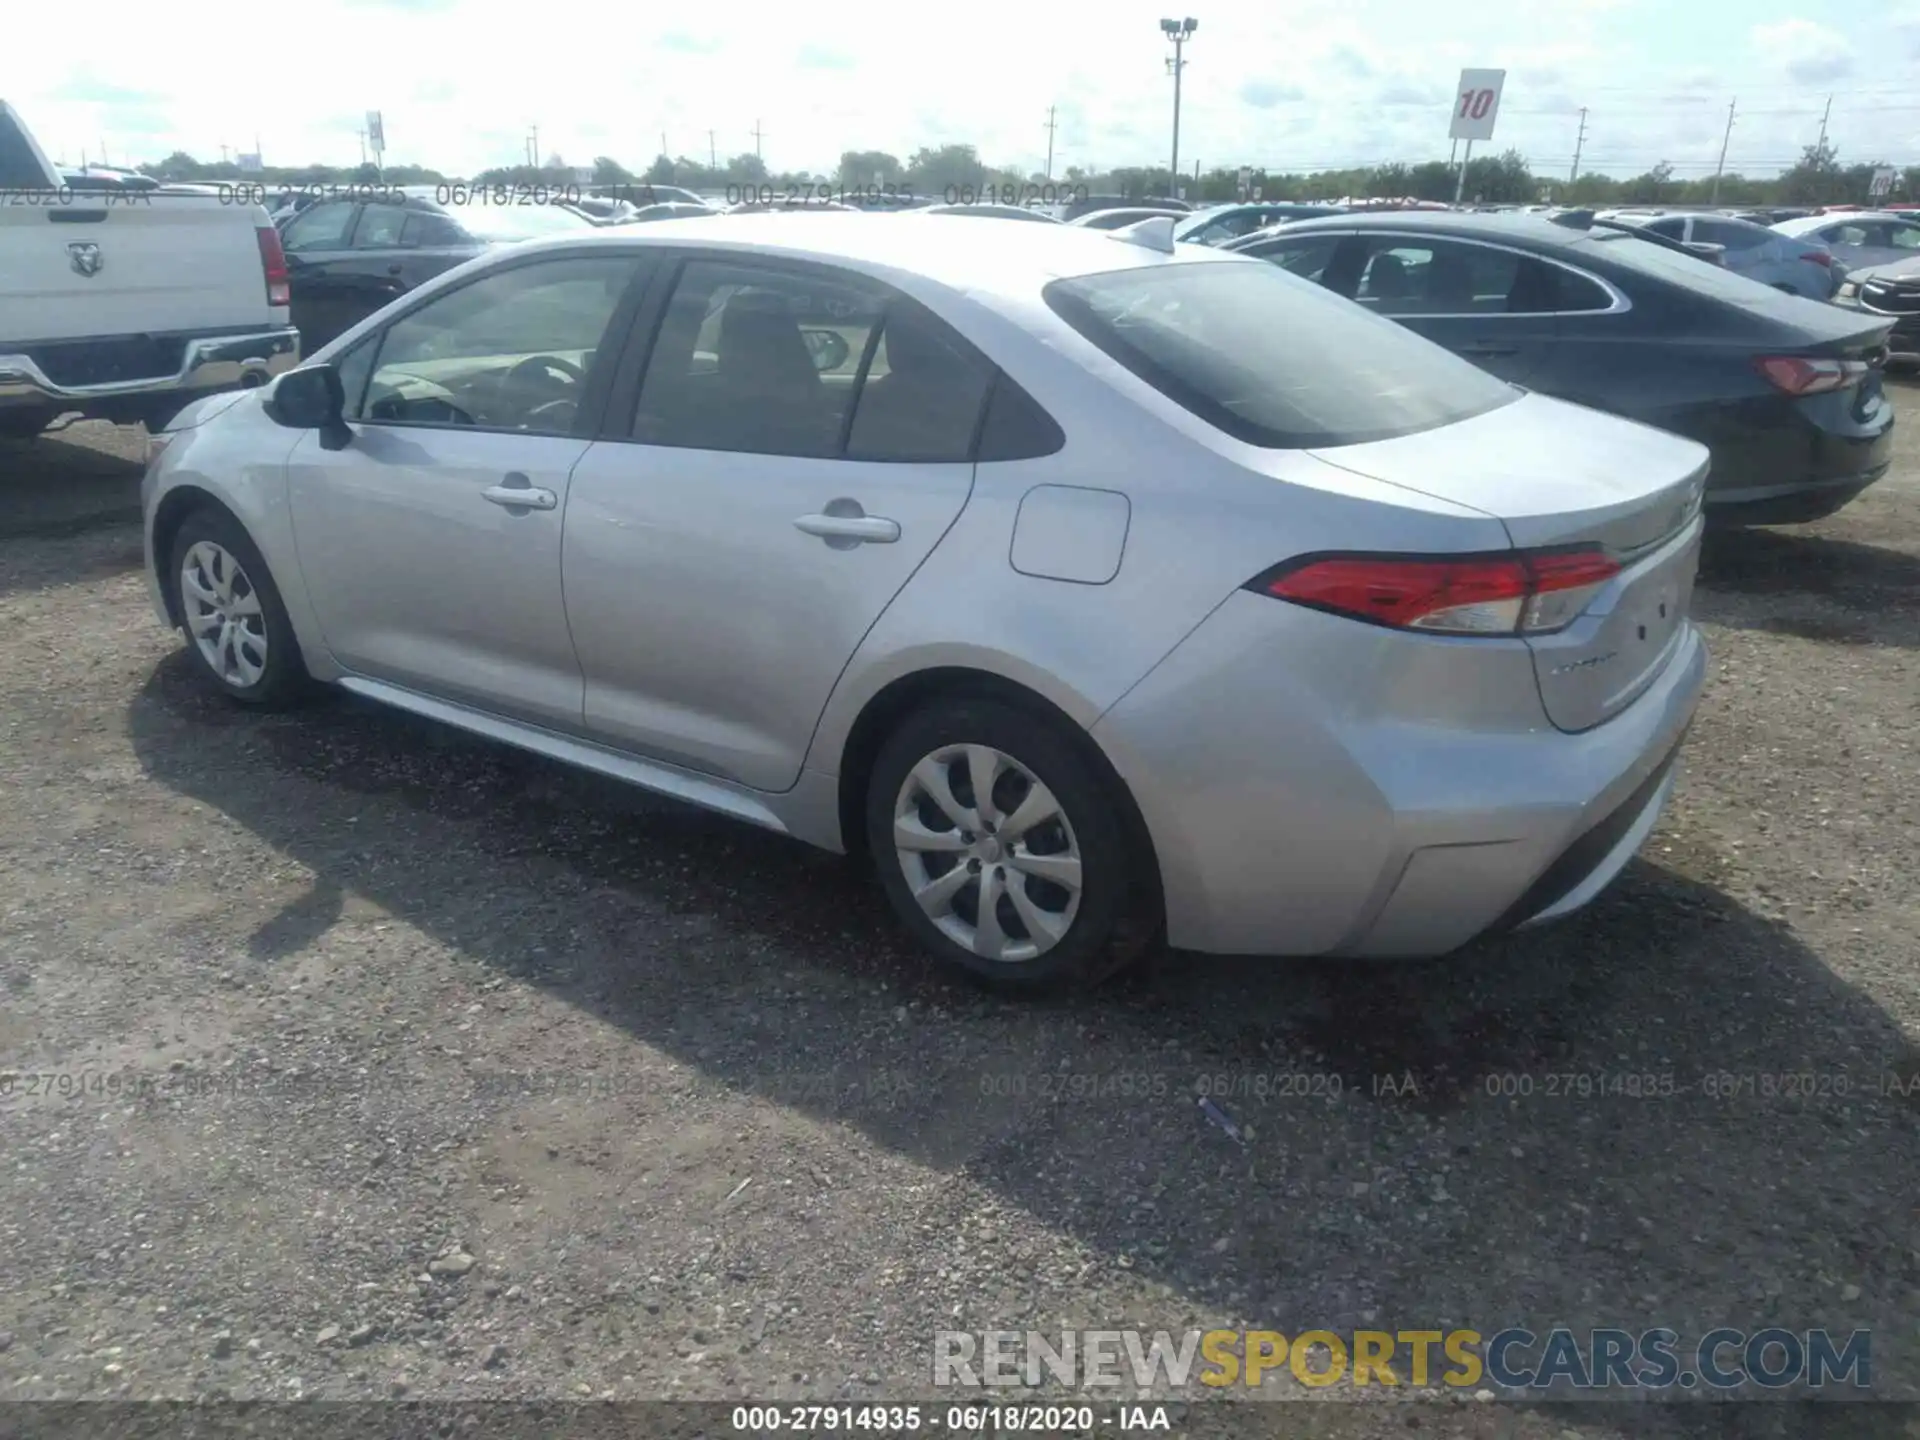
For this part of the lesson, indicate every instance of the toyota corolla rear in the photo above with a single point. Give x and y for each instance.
(1446, 685)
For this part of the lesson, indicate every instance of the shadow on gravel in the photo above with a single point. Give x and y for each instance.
(1861, 594)
(50, 488)
(1666, 1111)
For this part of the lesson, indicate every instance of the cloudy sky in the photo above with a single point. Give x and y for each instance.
(461, 82)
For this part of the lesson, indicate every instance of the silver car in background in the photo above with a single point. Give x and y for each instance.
(1088, 585)
(1801, 266)
(1859, 238)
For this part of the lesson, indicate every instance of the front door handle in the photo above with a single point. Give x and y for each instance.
(843, 525)
(516, 492)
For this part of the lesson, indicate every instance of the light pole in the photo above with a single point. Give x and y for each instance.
(1179, 32)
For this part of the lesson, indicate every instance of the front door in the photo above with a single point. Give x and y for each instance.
(802, 439)
(431, 543)
(317, 242)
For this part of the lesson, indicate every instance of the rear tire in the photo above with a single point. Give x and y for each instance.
(238, 633)
(1049, 848)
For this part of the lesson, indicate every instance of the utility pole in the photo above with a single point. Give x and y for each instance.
(1823, 122)
(363, 145)
(533, 142)
(1179, 32)
(713, 153)
(1579, 141)
(663, 143)
(1051, 126)
(756, 139)
(1725, 140)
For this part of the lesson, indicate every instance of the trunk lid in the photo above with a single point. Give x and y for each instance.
(158, 264)
(1561, 475)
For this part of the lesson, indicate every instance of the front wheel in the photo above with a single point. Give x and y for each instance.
(237, 627)
(1000, 846)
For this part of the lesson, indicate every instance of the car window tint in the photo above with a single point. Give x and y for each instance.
(1439, 277)
(509, 351)
(1016, 427)
(319, 227)
(425, 229)
(379, 227)
(922, 396)
(1222, 341)
(1574, 292)
(1307, 257)
(1903, 237)
(757, 359)
(1674, 229)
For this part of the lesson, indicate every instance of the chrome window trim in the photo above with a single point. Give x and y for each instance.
(1620, 303)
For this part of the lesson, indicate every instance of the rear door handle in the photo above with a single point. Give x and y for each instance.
(844, 524)
(516, 492)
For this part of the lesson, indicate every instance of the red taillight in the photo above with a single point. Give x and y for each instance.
(1797, 375)
(1818, 257)
(1518, 594)
(273, 262)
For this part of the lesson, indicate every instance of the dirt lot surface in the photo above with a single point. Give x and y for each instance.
(461, 1075)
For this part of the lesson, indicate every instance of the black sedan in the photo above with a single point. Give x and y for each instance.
(1785, 392)
(347, 258)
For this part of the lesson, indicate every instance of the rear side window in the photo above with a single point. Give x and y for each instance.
(1271, 359)
(320, 227)
(922, 394)
(425, 230)
(379, 227)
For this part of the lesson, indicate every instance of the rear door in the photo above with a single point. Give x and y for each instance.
(800, 441)
(318, 242)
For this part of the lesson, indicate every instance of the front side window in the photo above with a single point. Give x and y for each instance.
(1903, 237)
(509, 351)
(319, 227)
(1271, 359)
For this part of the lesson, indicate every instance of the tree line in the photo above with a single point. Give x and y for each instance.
(1818, 178)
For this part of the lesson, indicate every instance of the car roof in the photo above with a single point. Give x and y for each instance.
(1514, 227)
(1807, 223)
(1005, 259)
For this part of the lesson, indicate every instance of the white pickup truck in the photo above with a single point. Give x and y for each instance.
(127, 304)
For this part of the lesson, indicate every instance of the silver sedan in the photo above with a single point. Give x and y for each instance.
(1090, 587)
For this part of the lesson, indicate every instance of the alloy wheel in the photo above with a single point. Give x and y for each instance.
(223, 614)
(988, 852)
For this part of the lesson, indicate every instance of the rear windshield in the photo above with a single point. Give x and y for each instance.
(1270, 358)
(521, 222)
(1677, 267)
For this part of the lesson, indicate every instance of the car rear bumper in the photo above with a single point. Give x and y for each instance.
(132, 372)
(1779, 461)
(1287, 821)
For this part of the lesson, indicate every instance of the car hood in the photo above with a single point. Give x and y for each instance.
(1894, 270)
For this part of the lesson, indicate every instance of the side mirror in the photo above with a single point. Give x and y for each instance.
(312, 398)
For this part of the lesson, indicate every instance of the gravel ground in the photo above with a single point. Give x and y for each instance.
(466, 1076)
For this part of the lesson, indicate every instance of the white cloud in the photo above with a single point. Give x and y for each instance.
(1804, 51)
(460, 82)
